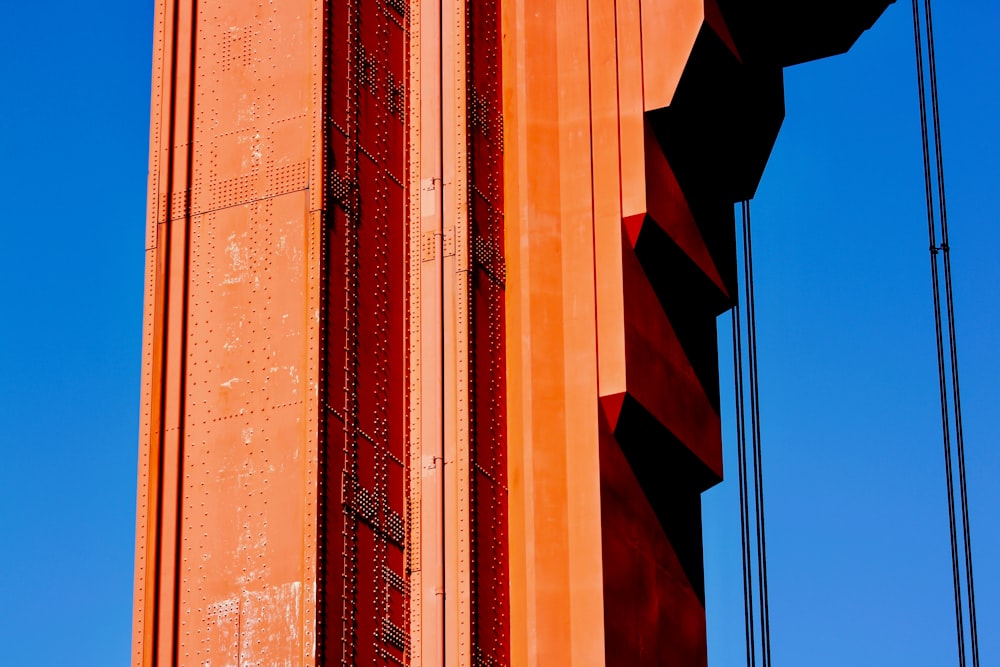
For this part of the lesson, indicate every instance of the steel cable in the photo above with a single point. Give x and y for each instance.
(755, 437)
(952, 337)
(741, 445)
(754, 541)
(939, 336)
(944, 251)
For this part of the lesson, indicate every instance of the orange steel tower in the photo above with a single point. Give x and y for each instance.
(430, 372)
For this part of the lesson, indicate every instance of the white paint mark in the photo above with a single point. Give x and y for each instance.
(255, 153)
(237, 263)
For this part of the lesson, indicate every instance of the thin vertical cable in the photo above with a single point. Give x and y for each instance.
(755, 437)
(938, 325)
(952, 337)
(741, 444)
(752, 535)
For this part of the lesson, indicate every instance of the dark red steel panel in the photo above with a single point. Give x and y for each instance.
(364, 574)
(490, 603)
(654, 614)
(705, 145)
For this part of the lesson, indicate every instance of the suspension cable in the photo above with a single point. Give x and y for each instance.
(952, 337)
(752, 533)
(943, 252)
(741, 449)
(755, 435)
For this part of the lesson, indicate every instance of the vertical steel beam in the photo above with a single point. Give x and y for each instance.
(555, 525)
(427, 633)
(456, 264)
(148, 493)
(226, 553)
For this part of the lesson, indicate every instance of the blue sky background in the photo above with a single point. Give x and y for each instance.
(857, 524)
(859, 562)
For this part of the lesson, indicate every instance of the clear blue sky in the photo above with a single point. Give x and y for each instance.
(857, 528)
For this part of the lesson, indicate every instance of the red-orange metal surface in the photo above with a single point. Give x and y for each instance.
(490, 610)
(309, 350)
(619, 258)
(426, 526)
(455, 291)
(227, 497)
(555, 560)
(668, 30)
(365, 460)
(429, 368)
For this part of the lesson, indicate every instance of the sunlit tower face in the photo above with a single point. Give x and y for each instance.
(430, 372)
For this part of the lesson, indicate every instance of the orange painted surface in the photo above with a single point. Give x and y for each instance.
(630, 107)
(426, 553)
(584, 326)
(227, 496)
(669, 30)
(555, 568)
(455, 262)
(619, 242)
(609, 189)
(356, 393)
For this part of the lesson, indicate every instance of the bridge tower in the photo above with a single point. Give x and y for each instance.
(430, 373)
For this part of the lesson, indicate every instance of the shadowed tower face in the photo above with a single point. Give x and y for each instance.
(701, 131)
(430, 373)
